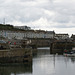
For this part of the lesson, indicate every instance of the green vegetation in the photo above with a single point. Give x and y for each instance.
(5, 27)
(9, 27)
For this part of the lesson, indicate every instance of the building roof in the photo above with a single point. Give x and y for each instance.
(61, 34)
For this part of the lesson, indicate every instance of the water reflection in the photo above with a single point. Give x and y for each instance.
(47, 64)
(73, 59)
(15, 69)
(43, 48)
(43, 64)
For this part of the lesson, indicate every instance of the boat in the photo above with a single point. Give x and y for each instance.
(70, 53)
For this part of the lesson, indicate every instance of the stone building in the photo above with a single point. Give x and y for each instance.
(73, 37)
(61, 36)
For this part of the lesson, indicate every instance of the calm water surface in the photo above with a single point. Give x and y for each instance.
(43, 64)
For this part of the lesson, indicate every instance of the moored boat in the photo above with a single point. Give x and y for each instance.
(70, 52)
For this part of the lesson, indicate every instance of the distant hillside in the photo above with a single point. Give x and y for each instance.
(8, 27)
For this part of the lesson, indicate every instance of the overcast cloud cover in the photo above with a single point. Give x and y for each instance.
(57, 15)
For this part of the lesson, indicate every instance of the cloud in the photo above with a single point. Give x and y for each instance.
(39, 14)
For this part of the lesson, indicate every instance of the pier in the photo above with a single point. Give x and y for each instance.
(58, 46)
(16, 56)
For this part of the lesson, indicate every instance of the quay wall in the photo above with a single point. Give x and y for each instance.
(42, 42)
(59, 47)
(15, 55)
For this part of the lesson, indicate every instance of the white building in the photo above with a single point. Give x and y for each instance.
(23, 27)
(61, 36)
(27, 34)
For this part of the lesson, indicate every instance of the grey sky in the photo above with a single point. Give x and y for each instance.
(55, 15)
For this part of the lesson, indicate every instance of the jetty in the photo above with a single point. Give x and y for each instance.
(14, 53)
(58, 46)
(15, 56)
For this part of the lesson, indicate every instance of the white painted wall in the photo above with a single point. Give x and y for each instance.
(22, 34)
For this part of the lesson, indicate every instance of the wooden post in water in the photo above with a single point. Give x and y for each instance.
(51, 46)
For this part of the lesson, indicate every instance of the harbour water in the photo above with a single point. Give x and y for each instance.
(43, 64)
